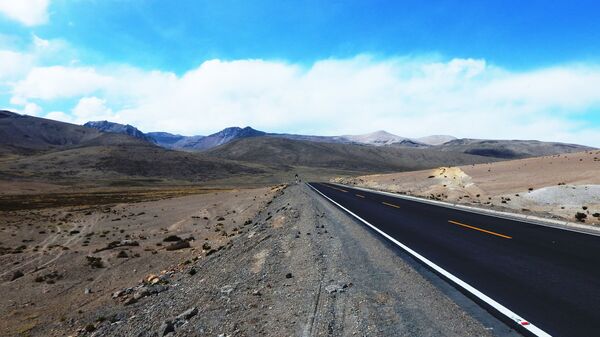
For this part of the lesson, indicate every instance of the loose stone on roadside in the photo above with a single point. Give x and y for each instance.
(337, 288)
(17, 274)
(166, 328)
(187, 314)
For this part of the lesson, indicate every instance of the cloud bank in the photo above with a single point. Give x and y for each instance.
(27, 12)
(409, 96)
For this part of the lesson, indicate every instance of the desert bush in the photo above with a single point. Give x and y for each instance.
(580, 216)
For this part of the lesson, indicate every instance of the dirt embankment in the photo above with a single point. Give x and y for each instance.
(564, 186)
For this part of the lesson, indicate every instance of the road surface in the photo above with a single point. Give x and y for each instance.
(545, 280)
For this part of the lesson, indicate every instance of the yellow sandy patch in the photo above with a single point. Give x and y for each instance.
(259, 261)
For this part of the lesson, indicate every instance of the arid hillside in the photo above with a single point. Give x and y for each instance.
(559, 185)
(509, 149)
(287, 153)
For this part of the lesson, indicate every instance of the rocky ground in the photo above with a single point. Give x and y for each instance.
(61, 263)
(561, 186)
(300, 268)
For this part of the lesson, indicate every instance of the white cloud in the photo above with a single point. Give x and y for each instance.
(27, 12)
(31, 109)
(39, 42)
(60, 116)
(17, 64)
(408, 96)
(92, 108)
(14, 64)
(60, 82)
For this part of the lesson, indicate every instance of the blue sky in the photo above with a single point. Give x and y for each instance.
(158, 34)
(470, 57)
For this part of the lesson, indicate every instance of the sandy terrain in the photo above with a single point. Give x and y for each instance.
(553, 186)
(50, 247)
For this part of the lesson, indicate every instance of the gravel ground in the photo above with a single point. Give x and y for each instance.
(566, 195)
(301, 268)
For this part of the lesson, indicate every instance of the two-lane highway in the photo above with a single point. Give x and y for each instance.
(547, 280)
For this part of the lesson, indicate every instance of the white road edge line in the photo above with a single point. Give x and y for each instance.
(499, 307)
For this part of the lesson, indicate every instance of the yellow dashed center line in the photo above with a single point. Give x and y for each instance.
(391, 205)
(480, 229)
(360, 196)
(335, 188)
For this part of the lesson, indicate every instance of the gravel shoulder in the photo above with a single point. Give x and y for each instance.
(301, 267)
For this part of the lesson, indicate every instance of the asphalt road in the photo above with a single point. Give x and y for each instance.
(548, 277)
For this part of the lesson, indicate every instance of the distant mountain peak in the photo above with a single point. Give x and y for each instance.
(218, 138)
(380, 137)
(8, 114)
(112, 127)
(383, 133)
(435, 139)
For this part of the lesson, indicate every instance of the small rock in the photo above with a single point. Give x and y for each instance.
(178, 245)
(152, 279)
(257, 293)
(118, 317)
(172, 238)
(336, 288)
(188, 314)
(157, 288)
(141, 293)
(166, 328)
(87, 291)
(122, 255)
(94, 262)
(226, 289)
(17, 274)
(130, 300)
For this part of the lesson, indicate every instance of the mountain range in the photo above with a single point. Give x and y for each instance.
(505, 149)
(101, 153)
(200, 143)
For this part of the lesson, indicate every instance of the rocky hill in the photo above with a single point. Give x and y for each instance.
(283, 153)
(22, 134)
(224, 136)
(106, 126)
(509, 149)
(166, 139)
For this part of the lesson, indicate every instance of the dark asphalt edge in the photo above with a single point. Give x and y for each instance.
(440, 280)
(482, 211)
